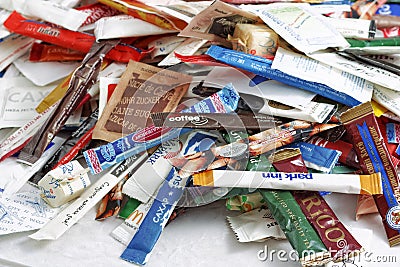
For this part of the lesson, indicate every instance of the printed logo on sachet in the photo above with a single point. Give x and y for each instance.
(190, 148)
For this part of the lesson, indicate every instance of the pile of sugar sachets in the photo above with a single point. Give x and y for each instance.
(142, 109)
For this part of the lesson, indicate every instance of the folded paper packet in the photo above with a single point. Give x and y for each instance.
(340, 183)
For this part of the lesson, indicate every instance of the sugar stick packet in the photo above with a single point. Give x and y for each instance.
(297, 229)
(262, 67)
(340, 183)
(373, 155)
(331, 230)
(143, 242)
(68, 18)
(82, 79)
(149, 13)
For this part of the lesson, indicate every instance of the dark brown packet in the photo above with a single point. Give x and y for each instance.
(374, 157)
(65, 148)
(288, 160)
(214, 121)
(332, 232)
(82, 79)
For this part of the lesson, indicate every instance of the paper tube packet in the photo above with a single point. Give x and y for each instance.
(12, 48)
(104, 157)
(127, 230)
(97, 11)
(83, 77)
(68, 148)
(19, 138)
(306, 68)
(143, 184)
(46, 52)
(297, 229)
(374, 157)
(121, 26)
(54, 13)
(354, 28)
(214, 121)
(334, 235)
(143, 242)
(340, 183)
(262, 67)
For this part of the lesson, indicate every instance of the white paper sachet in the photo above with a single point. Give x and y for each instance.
(20, 98)
(297, 23)
(388, 98)
(125, 26)
(44, 73)
(3, 16)
(21, 135)
(12, 48)
(24, 211)
(256, 225)
(187, 48)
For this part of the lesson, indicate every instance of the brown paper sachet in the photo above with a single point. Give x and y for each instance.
(142, 90)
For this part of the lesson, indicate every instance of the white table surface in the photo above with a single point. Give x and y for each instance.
(199, 237)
